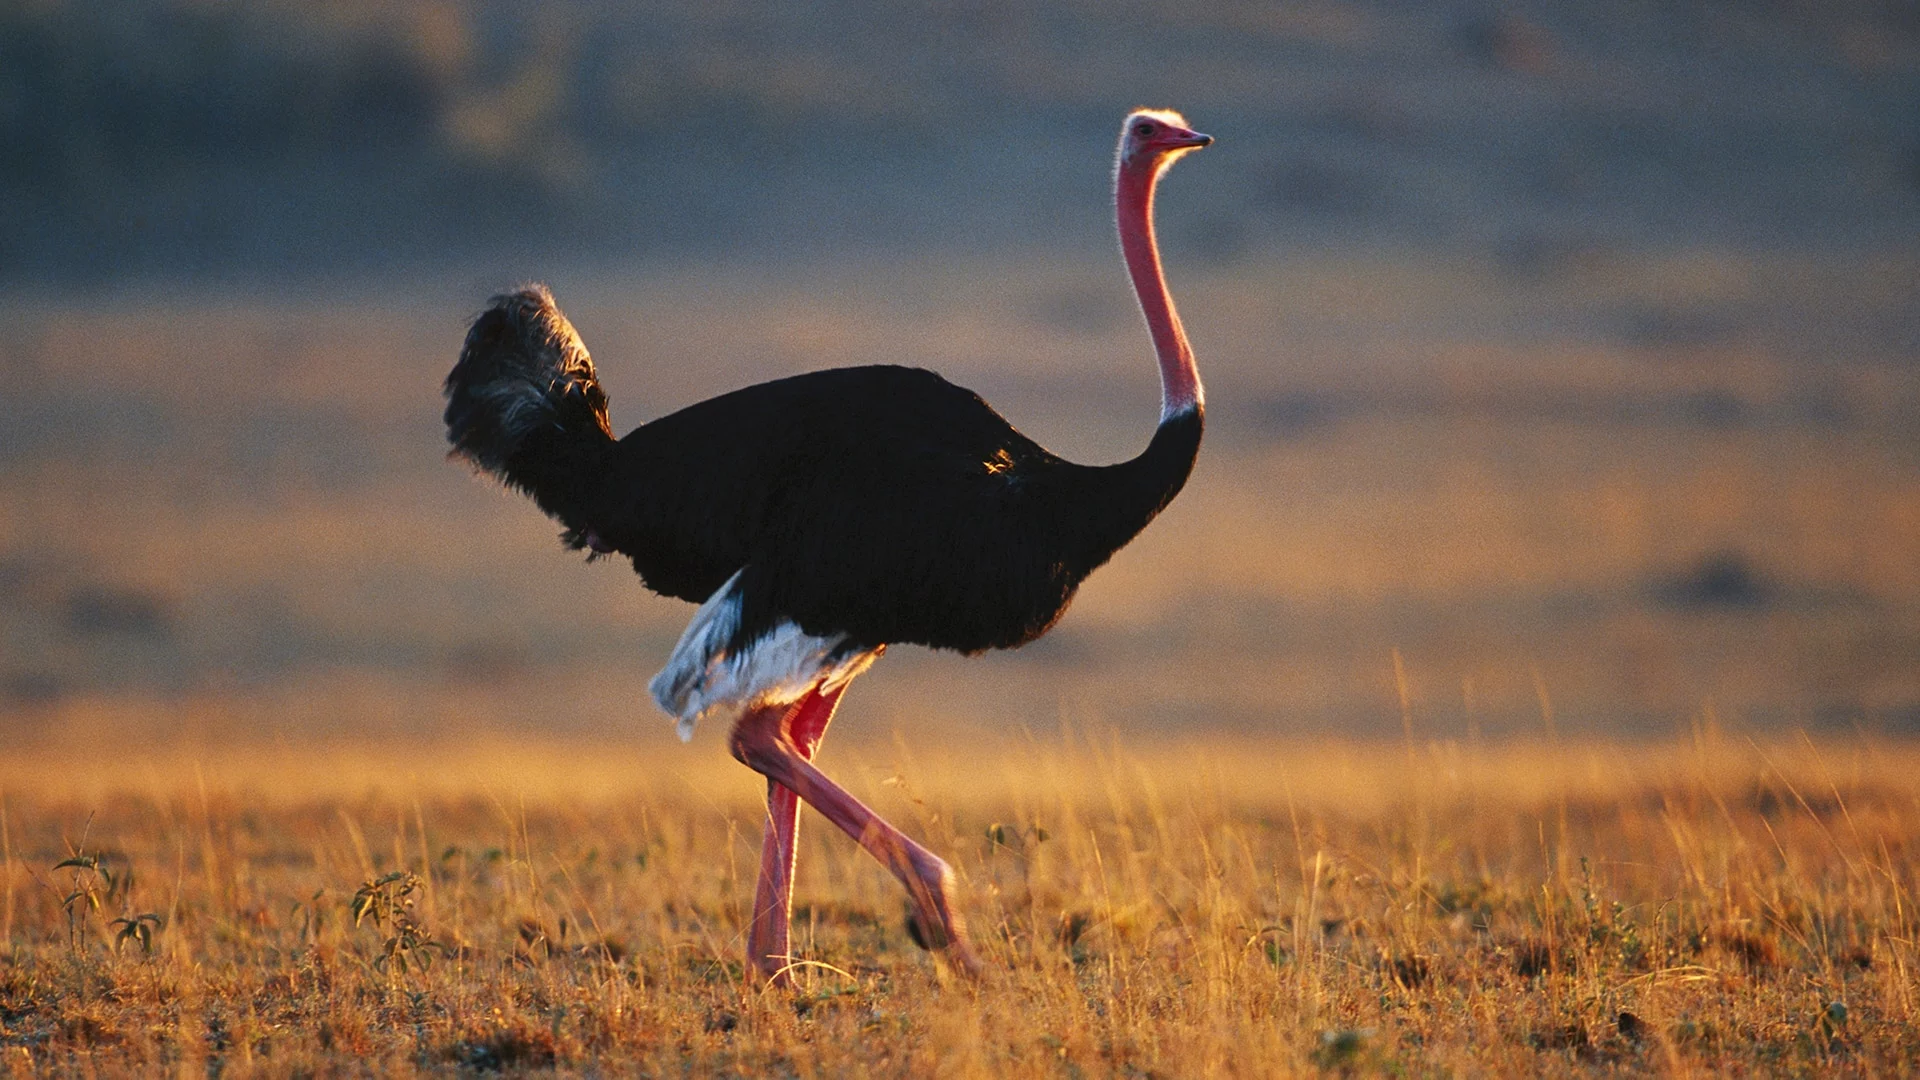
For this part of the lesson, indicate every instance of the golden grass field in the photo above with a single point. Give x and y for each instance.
(1708, 905)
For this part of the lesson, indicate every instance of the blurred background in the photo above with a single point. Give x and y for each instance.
(1564, 360)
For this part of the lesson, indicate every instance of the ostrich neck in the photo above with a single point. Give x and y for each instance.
(1106, 506)
(1180, 389)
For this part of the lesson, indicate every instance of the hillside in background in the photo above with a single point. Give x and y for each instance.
(236, 142)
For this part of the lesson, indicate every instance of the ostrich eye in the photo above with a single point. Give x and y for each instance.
(1143, 130)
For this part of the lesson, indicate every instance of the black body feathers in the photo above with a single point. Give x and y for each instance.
(882, 502)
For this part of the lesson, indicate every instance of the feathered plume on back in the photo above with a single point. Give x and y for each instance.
(522, 374)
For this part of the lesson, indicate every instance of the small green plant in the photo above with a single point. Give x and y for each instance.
(1341, 1050)
(1831, 1025)
(310, 915)
(138, 928)
(93, 885)
(387, 901)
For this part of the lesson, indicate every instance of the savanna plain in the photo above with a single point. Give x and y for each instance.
(1484, 707)
(1527, 682)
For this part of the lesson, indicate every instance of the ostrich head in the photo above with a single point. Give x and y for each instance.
(1153, 139)
(523, 371)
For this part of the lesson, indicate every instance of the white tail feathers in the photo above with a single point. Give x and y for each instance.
(703, 676)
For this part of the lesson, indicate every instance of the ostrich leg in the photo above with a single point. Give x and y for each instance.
(805, 724)
(761, 743)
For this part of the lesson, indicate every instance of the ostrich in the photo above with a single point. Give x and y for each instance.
(819, 518)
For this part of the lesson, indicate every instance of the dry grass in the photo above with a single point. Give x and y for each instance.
(1219, 908)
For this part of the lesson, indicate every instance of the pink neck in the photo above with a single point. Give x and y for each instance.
(1180, 389)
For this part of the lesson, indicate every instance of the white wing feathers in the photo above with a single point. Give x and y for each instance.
(703, 677)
